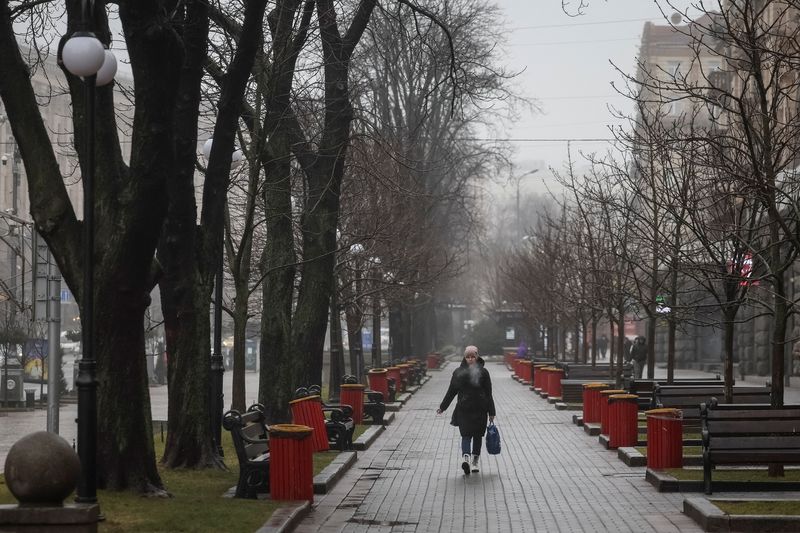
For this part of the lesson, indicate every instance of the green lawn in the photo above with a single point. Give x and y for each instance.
(196, 504)
(687, 450)
(687, 474)
(759, 507)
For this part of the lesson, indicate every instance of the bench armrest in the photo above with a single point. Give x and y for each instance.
(375, 396)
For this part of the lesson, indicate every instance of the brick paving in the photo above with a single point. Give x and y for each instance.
(550, 476)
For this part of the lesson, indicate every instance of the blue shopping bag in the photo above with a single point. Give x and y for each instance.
(492, 439)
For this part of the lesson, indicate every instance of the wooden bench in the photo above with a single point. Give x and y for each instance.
(600, 372)
(374, 407)
(738, 434)
(688, 398)
(644, 388)
(250, 436)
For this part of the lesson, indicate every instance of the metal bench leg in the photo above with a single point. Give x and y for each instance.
(706, 473)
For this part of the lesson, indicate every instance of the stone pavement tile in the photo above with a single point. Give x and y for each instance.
(550, 477)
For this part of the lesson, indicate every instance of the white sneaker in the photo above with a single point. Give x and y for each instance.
(475, 459)
(465, 464)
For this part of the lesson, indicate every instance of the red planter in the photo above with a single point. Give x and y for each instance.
(525, 371)
(308, 412)
(664, 438)
(353, 395)
(393, 372)
(623, 420)
(538, 376)
(554, 382)
(591, 402)
(377, 382)
(291, 470)
(545, 378)
(604, 394)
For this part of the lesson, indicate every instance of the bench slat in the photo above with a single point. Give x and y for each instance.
(752, 413)
(754, 457)
(751, 442)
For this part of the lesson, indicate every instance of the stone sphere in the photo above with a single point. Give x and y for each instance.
(41, 469)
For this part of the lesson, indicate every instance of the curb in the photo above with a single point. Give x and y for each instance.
(666, 483)
(286, 518)
(711, 518)
(631, 456)
(605, 442)
(368, 437)
(326, 479)
(591, 428)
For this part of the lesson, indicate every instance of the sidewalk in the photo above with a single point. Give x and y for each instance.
(550, 477)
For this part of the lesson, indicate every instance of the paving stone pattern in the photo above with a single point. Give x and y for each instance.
(550, 476)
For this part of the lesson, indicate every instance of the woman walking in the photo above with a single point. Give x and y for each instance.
(472, 384)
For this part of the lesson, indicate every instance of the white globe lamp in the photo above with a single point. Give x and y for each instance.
(236, 158)
(207, 148)
(108, 70)
(83, 54)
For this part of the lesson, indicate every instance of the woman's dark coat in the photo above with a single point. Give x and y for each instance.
(475, 403)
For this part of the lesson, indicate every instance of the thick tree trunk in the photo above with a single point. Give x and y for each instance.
(337, 349)
(125, 454)
(354, 324)
(240, 319)
(377, 355)
(190, 440)
(276, 381)
(727, 350)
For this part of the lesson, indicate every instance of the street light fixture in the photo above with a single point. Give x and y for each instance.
(519, 179)
(83, 55)
(217, 366)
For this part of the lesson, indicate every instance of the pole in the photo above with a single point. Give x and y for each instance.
(376, 331)
(217, 368)
(87, 368)
(519, 230)
(53, 345)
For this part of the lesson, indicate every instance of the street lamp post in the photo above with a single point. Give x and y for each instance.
(216, 394)
(83, 55)
(519, 179)
(376, 313)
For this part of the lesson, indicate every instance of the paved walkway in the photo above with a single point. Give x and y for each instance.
(550, 477)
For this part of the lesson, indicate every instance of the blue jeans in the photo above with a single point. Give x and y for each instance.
(477, 442)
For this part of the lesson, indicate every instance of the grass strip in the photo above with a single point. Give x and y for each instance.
(197, 502)
(690, 474)
(786, 507)
(687, 450)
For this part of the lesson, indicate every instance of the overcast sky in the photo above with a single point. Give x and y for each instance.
(568, 71)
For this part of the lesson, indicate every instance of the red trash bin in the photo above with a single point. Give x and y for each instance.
(546, 379)
(402, 383)
(393, 372)
(353, 395)
(433, 360)
(308, 412)
(291, 465)
(509, 359)
(538, 376)
(591, 402)
(623, 420)
(664, 438)
(378, 382)
(525, 371)
(554, 382)
(604, 394)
